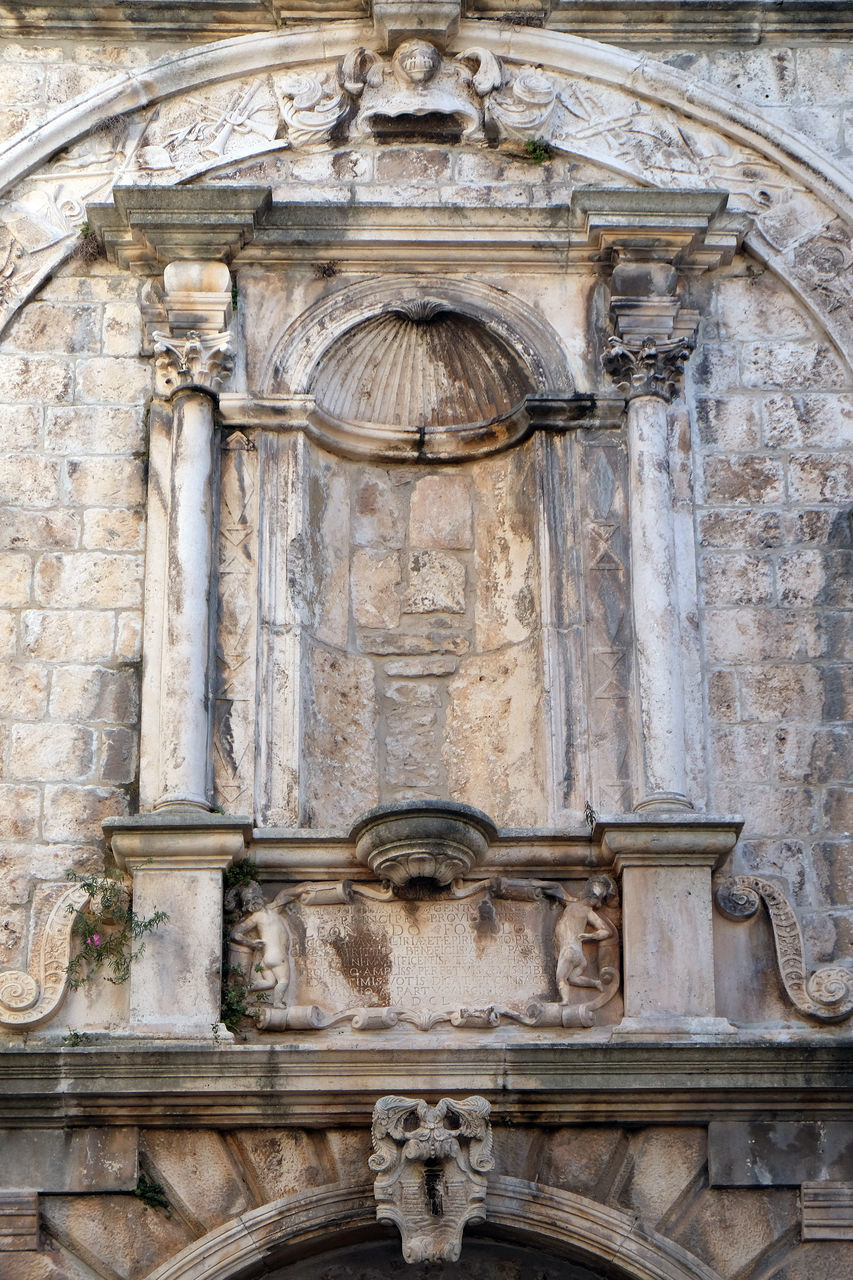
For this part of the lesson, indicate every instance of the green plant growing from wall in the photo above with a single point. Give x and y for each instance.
(152, 1194)
(538, 150)
(110, 933)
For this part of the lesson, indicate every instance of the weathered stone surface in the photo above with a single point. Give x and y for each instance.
(200, 1174)
(729, 1230)
(441, 514)
(436, 583)
(83, 635)
(69, 1160)
(660, 1165)
(120, 1233)
(375, 588)
(83, 578)
(378, 514)
(584, 1160)
(282, 1162)
(779, 1153)
(340, 742)
(489, 763)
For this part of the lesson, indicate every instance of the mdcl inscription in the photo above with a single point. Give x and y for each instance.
(538, 953)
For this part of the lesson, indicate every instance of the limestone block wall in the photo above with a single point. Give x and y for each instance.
(772, 440)
(72, 484)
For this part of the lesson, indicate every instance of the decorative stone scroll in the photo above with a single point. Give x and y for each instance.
(477, 955)
(827, 993)
(431, 1165)
(32, 996)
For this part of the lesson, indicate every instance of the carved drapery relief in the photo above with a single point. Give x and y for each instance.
(549, 952)
(827, 993)
(32, 996)
(431, 1165)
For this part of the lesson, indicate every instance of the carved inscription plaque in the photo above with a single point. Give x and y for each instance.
(426, 956)
(477, 954)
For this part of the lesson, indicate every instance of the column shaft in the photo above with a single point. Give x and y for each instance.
(657, 620)
(185, 669)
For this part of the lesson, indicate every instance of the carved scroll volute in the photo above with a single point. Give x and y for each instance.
(28, 998)
(827, 993)
(431, 1164)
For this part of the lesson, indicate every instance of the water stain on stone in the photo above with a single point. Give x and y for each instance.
(365, 962)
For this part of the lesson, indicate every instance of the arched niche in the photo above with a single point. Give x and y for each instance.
(402, 545)
(526, 1221)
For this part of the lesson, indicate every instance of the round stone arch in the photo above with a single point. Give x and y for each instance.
(542, 1218)
(813, 254)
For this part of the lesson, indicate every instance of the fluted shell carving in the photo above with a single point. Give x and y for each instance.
(827, 993)
(419, 369)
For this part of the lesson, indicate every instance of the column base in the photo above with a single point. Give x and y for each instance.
(664, 800)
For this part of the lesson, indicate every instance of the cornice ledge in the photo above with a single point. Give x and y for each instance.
(178, 839)
(677, 839)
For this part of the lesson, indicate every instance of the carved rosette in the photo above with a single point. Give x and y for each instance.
(431, 1164)
(28, 998)
(196, 362)
(827, 993)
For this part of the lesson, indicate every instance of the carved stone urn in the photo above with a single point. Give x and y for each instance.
(436, 840)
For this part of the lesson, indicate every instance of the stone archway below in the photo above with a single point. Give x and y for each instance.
(528, 1224)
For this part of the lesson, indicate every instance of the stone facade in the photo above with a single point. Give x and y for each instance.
(425, 477)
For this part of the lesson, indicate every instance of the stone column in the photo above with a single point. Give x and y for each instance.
(177, 854)
(193, 360)
(645, 357)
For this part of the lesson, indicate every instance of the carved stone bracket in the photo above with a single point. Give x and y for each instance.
(431, 1164)
(826, 994)
(397, 20)
(29, 997)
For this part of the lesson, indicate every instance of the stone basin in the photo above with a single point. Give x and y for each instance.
(436, 840)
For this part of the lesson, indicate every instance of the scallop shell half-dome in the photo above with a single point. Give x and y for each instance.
(419, 371)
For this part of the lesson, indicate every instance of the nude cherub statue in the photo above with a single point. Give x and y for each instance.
(580, 922)
(272, 939)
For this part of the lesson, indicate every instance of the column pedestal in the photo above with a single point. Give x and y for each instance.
(665, 866)
(177, 862)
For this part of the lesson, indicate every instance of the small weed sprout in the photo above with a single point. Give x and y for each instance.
(108, 929)
(538, 150)
(75, 1038)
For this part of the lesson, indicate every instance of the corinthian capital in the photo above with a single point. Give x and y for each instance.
(650, 368)
(195, 351)
(199, 361)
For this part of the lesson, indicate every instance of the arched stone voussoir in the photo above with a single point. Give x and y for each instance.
(333, 1216)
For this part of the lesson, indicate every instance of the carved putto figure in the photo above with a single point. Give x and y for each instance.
(431, 1164)
(581, 922)
(272, 940)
